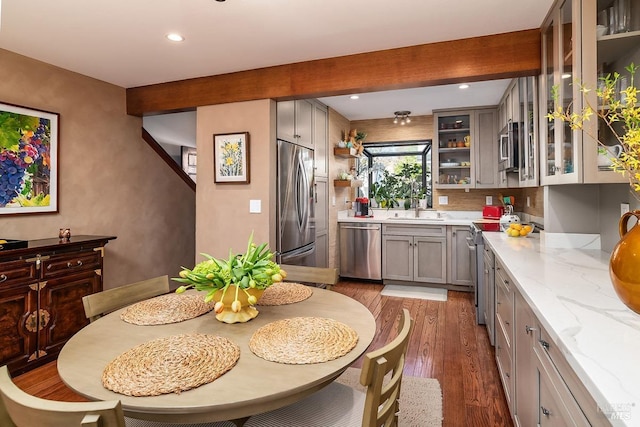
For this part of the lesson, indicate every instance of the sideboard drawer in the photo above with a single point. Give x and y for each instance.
(19, 271)
(65, 264)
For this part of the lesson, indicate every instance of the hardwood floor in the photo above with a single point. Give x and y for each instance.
(446, 344)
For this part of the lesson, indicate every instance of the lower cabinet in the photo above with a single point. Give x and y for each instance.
(458, 256)
(41, 290)
(414, 253)
(525, 328)
(540, 387)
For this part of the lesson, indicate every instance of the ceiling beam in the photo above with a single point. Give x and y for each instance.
(491, 57)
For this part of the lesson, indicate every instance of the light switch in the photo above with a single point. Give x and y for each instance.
(443, 200)
(255, 206)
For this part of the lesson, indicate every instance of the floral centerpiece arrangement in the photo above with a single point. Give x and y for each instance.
(236, 283)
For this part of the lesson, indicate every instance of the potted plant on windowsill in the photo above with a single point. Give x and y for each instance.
(617, 107)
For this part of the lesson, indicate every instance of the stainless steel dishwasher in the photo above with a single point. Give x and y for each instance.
(361, 250)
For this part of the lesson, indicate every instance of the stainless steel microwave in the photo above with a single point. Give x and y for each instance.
(508, 148)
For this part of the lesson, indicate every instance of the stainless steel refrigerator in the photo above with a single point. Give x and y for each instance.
(296, 227)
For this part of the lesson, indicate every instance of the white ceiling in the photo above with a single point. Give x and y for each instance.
(123, 41)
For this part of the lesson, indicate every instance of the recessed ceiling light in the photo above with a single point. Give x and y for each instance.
(175, 37)
(463, 86)
(354, 97)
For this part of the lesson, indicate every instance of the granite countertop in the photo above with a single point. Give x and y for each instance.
(571, 293)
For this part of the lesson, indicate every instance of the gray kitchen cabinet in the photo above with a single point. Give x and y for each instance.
(489, 292)
(414, 254)
(320, 140)
(465, 153)
(557, 405)
(571, 47)
(294, 121)
(528, 148)
(486, 149)
(321, 220)
(458, 256)
(540, 386)
(504, 333)
(526, 405)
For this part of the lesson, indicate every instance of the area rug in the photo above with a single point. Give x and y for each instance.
(420, 399)
(419, 292)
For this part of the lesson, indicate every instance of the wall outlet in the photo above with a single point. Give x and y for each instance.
(528, 201)
(624, 208)
(488, 200)
(443, 200)
(333, 200)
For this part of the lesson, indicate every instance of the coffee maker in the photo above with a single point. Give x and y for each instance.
(361, 207)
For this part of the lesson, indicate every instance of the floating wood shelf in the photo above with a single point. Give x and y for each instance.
(345, 152)
(347, 183)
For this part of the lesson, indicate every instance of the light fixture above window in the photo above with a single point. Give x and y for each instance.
(402, 117)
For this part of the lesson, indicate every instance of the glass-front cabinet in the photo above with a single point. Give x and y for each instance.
(453, 165)
(528, 111)
(582, 41)
(561, 151)
(611, 37)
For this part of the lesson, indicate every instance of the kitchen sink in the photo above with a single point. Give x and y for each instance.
(408, 218)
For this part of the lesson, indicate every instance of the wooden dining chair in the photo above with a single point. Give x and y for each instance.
(100, 303)
(320, 275)
(19, 409)
(339, 405)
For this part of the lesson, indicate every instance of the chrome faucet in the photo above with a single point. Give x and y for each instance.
(415, 200)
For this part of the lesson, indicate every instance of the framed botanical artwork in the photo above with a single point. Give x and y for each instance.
(28, 160)
(231, 158)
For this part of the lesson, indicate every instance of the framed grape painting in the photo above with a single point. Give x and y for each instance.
(28, 160)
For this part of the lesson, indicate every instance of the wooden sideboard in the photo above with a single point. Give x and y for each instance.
(41, 290)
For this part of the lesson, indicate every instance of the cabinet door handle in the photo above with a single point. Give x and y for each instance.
(528, 329)
(3, 277)
(544, 344)
(545, 411)
(77, 264)
(506, 374)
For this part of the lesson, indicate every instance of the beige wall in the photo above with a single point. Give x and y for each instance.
(223, 220)
(110, 181)
(337, 125)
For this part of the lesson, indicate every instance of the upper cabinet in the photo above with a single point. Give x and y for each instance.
(465, 152)
(295, 122)
(572, 53)
(561, 158)
(606, 54)
(528, 147)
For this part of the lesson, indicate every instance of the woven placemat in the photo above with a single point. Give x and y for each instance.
(285, 293)
(170, 308)
(303, 340)
(170, 365)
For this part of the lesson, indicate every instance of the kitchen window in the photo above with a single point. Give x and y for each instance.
(396, 174)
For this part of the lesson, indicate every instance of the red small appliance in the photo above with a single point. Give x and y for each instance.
(492, 213)
(362, 207)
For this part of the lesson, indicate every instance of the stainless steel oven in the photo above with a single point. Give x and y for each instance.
(476, 269)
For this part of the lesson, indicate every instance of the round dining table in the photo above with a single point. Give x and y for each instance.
(254, 385)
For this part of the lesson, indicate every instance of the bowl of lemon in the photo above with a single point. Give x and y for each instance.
(516, 229)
